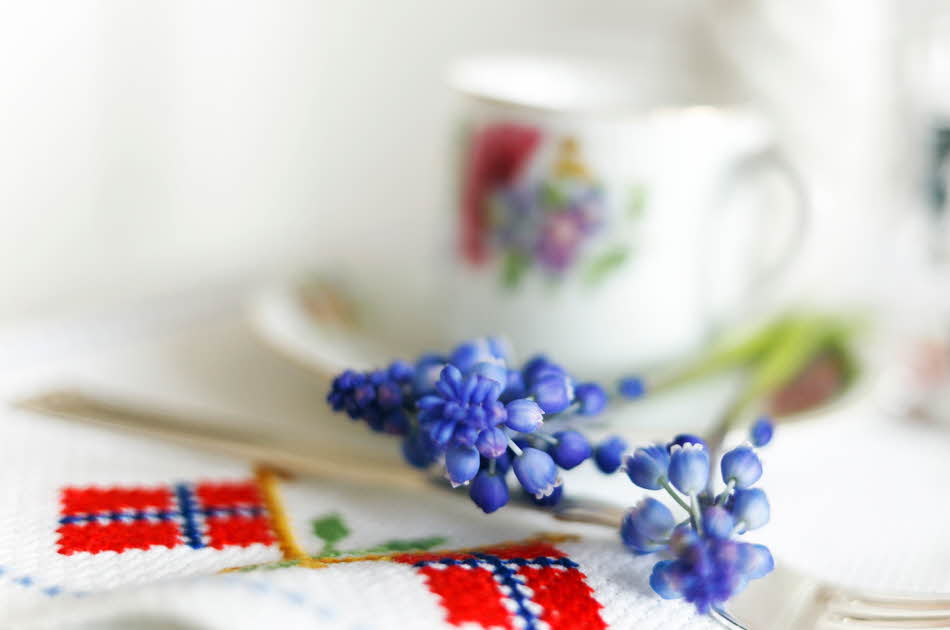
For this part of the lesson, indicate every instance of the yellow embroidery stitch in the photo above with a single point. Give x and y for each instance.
(280, 521)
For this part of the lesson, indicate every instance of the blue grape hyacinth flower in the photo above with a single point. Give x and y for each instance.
(537, 472)
(646, 528)
(474, 412)
(703, 562)
(524, 415)
(550, 500)
(750, 508)
(553, 392)
(489, 491)
(570, 449)
(741, 467)
(648, 467)
(632, 387)
(591, 399)
(761, 432)
(465, 417)
(609, 454)
(378, 397)
(689, 468)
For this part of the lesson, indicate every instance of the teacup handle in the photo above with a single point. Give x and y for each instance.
(766, 277)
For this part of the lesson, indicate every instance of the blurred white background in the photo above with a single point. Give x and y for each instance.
(146, 146)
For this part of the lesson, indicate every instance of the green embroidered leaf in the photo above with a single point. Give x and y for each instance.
(638, 201)
(513, 268)
(330, 529)
(598, 269)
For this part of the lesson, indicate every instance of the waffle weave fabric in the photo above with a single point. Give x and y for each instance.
(101, 530)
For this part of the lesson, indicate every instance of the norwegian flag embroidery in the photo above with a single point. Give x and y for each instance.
(206, 514)
(530, 586)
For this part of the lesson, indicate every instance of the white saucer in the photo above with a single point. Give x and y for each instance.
(329, 326)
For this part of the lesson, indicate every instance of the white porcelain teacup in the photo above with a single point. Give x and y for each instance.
(603, 229)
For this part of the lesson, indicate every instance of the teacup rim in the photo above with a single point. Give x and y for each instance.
(459, 77)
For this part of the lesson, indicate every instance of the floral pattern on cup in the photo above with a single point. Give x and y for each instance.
(547, 222)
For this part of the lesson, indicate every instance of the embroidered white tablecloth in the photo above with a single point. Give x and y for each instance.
(101, 530)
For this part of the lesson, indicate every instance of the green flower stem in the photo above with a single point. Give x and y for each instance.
(803, 338)
(673, 493)
(695, 514)
(722, 498)
(515, 448)
(726, 354)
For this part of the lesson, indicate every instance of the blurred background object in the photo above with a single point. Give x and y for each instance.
(153, 145)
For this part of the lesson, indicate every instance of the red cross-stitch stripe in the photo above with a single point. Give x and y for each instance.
(530, 586)
(199, 515)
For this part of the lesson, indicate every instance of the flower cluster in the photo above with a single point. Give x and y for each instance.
(706, 565)
(478, 416)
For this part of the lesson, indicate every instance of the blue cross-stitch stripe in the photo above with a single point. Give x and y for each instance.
(138, 515)
(508, 577)
(543, 561)
(161, 515)
(189, 515)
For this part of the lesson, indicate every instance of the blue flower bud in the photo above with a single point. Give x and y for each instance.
(396, 422)
(374, 418)
(461, 464)
(469, 354)
(757, 561)
(428, 369)
(689, 468)
(551, 500)
(718, 522)
(592, 398)
(378, 377)
(514, 387)
(495, 370)
(464, 435)
(571, 449)
(419, 450)
(648, 466)
(553, 392)
(742, 466)
(536, 366)
(489, 492)
(687, 438)
(750, 508)
(364, 394)
(536, 472)
(761, 431)
(523, 415)
(609, 454)
(389, 395)
(647, 527)
(492, 442)
(667, 578)
(401, 371)
(632, 387)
